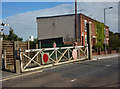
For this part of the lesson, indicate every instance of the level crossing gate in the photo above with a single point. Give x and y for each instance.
(41, 58)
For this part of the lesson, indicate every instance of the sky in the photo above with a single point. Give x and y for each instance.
(22, 15)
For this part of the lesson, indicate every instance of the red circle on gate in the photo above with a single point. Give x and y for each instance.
(45, 58)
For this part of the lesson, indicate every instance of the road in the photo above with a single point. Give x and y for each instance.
(96, 73)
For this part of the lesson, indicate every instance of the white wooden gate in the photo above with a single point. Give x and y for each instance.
(32, 59)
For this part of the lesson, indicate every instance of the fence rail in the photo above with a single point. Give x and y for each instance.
(41, 58)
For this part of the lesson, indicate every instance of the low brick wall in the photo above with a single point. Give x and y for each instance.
(95, 53)
(103, 52)
(113, 52)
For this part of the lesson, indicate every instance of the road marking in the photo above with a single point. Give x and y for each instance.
(20, 76)
(10, 76)
(107, 65)
(73, 80)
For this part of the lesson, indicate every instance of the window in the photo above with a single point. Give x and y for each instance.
(91, 26)
(85, 22)
(106, 32)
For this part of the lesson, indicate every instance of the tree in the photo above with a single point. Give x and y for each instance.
(114, 41)
(33, 43)
(12, 36)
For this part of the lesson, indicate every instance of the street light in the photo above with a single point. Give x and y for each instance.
(105, 27)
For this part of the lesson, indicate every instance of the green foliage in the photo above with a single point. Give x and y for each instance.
(100, 34)
(114, 40)
(12, 36)
(33, 44)
(95, 46)
(5, 37)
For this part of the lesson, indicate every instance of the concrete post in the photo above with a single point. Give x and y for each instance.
(89, 41)
(68, 54)
(16, 57)
(17, 65)
(39, 46)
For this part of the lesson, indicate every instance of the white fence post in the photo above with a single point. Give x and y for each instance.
(56, 55)
(87, 50)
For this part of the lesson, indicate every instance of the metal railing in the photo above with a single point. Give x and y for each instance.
(33, 58)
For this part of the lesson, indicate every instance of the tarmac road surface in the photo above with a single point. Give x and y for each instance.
(95, 73)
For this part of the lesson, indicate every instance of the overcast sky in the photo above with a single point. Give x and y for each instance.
(23, 20)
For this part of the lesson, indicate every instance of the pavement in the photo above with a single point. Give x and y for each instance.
(104, 56)
(90, 73)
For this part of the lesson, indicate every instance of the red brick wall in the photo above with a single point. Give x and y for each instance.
(93, 28)
(82, 25)
(107, 35)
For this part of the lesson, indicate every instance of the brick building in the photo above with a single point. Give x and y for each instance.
(61, 29)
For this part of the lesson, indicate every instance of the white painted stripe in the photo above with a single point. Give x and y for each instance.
(107, 56)
(107, 65)
(73, 80)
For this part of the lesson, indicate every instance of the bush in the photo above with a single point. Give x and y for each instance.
(95, 46)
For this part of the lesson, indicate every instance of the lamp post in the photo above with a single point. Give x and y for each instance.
(105, 28)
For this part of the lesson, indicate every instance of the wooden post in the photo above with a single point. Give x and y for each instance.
(0, 55)
(89, 41)
(68, 54)
(28, 44)
(28, 47)
(78, 53)
(99, 51)
(4, 64)
(37, 58)
(56, 54)
(39, 44)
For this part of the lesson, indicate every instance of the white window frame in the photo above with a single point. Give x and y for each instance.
(85, 24)
(85, 39)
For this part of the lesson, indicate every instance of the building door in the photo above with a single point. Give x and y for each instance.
(94, 41)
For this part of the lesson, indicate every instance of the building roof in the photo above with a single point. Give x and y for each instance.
(55, 16)
(68, 15)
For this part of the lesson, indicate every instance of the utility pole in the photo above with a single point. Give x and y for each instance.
(89, 41)
(76, 21)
